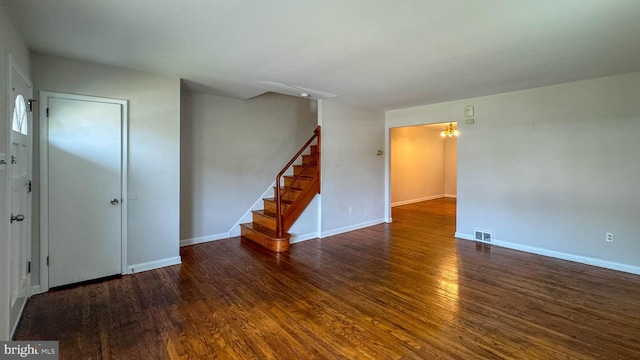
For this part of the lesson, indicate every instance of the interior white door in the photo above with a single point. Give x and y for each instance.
(85, 191)
(19, 165)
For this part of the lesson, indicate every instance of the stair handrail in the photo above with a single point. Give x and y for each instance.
(279, 221)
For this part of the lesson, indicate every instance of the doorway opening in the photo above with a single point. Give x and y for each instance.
(423, 168)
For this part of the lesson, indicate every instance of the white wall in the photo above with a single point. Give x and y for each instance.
(550, 170)
(154, 148)
(450, 166)
(231, 152)
(352, 173)
(10, 42)
(417, 164)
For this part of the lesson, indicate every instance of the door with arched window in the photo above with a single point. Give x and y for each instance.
(19, 165)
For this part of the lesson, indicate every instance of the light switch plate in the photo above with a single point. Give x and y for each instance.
(469, 121)
(468, 111)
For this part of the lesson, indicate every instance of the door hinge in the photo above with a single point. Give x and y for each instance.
(28, 267)
(30, 102)
(47, 260)
(47, 112)
(28, 186)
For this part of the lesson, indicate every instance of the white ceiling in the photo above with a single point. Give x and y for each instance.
(384, 54)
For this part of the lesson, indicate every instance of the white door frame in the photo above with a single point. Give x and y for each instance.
(387, 160)
(44, 176)
(11, 66)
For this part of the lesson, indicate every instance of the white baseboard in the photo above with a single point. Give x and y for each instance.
(451, 195)
(223, 236)
(464, 236)
(407, 202)
(351, 228)
(304, 237)
(559, 255)
(15, 326)
(132, 269)
(36, 289)
(389, 220)
(203, 239)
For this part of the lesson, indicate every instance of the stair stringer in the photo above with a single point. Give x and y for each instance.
(299, 231)
(306, 226)
(247, 217)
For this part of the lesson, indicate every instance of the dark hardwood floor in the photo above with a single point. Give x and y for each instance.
(406, 290)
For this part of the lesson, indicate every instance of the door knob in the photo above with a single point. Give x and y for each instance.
(115, 201)
(18, 217)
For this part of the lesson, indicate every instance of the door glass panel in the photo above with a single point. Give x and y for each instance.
(20, 123)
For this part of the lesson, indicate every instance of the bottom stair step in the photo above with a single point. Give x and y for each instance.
(265, 237)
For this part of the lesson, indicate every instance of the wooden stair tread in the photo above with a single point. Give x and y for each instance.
(304, 177)
(265, 213)
(305, 170)
(283, 201)
(288, 201)
(289, 188)
(265, 237)
(310, 157)
(263, 230)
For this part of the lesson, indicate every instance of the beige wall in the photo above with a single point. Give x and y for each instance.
(417, 164)
(451, 167)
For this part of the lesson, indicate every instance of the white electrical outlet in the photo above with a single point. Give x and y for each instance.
(609, 237)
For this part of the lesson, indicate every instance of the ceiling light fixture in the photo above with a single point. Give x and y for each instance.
(305, 95)
(450, 131)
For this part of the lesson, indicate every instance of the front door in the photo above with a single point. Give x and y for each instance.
(19, 165)
(85, 194)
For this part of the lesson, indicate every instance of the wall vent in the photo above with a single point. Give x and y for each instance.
(482, 235)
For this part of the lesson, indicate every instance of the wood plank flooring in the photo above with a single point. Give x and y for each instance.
(406, 290)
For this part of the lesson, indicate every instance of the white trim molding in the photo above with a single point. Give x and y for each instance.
(345, 229)
(226, 235)
(151, 265)
(204, 239)
(426, 198)
(559, 255)
(35, 290)
(303, 237)
(248, 216)
(44, 97)
(15, 325)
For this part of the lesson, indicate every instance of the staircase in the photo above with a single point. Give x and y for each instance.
(270, 225)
